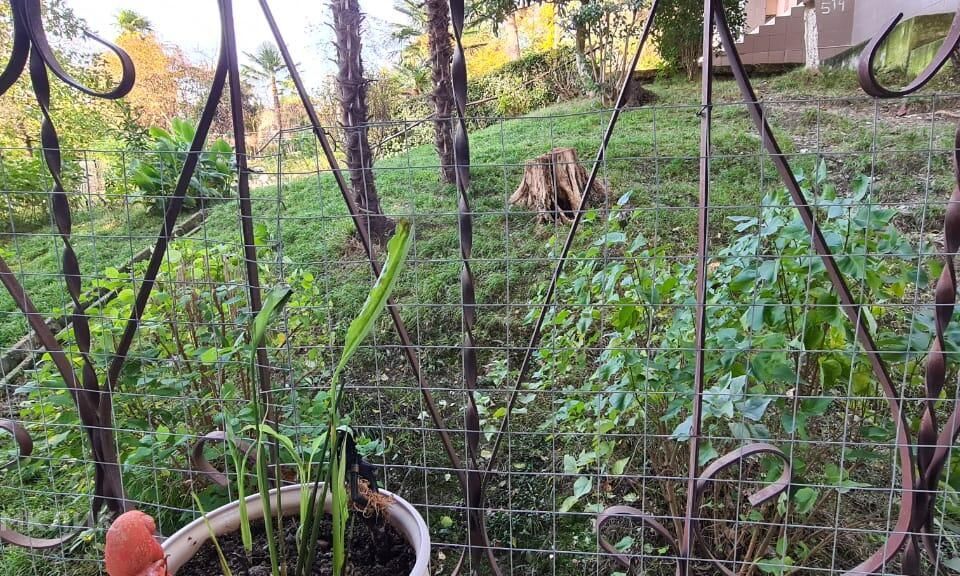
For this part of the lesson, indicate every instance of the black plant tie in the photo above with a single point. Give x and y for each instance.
(357, 468)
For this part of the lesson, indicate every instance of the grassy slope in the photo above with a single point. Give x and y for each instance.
(653, 155)
(101, 238)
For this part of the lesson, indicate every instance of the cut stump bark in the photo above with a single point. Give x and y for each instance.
(553, 185)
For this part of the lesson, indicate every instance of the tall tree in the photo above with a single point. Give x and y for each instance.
(267, 66)
(441, 52)
(163, 75)
(352, 94)
(132, 22)
(426, 55)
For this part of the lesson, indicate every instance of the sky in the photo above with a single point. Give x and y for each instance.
(194, 25)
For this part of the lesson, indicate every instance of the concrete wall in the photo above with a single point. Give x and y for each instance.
(874, 14)
(836, 19)
(847, 23)
(759, 10)
(756, 14)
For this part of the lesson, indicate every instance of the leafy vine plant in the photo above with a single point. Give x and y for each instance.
(334, 447)
(921, 464)
(92, 396)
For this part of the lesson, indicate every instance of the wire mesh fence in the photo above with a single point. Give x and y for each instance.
(604, 418)
(728, 361)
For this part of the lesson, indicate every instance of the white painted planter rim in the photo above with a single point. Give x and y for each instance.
(183, 545)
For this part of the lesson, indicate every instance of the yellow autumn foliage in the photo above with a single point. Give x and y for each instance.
(164, 77)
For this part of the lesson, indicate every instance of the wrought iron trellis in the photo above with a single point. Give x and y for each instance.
(921, 463)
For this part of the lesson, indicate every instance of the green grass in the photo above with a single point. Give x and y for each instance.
(653, 157)
(102, 237)
(20, 562)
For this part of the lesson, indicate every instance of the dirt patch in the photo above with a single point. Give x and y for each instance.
(374, 548)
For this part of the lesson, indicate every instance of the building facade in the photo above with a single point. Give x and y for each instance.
(775, 28)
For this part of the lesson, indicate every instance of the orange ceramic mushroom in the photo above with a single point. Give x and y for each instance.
(131, 549)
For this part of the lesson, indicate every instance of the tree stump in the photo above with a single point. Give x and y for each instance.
(553, 185)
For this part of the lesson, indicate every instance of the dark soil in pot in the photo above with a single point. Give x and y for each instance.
(374, 548)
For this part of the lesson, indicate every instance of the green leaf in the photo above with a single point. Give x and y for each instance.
(619, 466)
(952, 563)
(815, 406)
(739, 430)
(752, 319)
(286, 441)
(397, 249)
(743, 280)
(804, 500)
(614, 238)
(339, 513)
(860, 187)
(830, 372)
(158, 133)
(792, 425)
(568, 503)
(755, 407)
(782, 545)
(777, 566)
(624, 544)
(224, 565)
(707, 453)
(839, 479)
(570, 464)
(768, 271)
(582, 487)
(276, 300)
(683, 429)
(210, 356)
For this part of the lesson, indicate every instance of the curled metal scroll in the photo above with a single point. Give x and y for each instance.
(920, 474)
(762, 496)
(31, 48)
(92, 400)
(933, 443)
(866, 66)
(21, 437)
(702, 482)
(199, 462)
(24, 449)
(634, 514)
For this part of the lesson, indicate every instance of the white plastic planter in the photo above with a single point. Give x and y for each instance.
(182, 546)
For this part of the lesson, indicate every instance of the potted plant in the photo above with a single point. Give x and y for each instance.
(263, 532)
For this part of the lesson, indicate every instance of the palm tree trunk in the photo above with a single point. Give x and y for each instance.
(276, 103)
(441, 52)
(352, 93)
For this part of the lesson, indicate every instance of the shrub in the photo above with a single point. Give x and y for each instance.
(532, 82)
(183, 378)
(781, 361)
(26, 184)
(156, 173)
(678, 31)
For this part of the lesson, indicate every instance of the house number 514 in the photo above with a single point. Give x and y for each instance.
(830, 6)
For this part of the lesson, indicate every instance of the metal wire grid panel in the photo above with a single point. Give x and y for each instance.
(605, 417)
